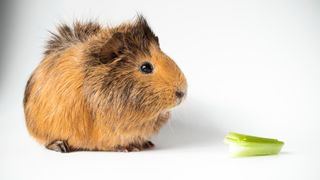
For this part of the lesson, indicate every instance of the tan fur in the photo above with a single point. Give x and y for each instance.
(65, 97)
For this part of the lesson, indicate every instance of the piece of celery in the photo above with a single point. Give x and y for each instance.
(241, 145)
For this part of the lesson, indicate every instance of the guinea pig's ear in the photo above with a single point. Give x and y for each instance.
(113, 48)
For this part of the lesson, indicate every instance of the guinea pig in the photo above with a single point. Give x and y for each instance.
(102, 88)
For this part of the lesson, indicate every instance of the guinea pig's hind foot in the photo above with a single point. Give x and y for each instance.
(135, 147)
(59, 146)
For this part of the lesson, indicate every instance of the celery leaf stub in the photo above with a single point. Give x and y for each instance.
(241, 145)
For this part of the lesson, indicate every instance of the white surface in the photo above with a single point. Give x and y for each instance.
(252, 67)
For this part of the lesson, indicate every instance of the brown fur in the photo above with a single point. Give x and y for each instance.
(89, 92)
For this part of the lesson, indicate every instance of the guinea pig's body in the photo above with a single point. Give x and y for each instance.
(106, 89)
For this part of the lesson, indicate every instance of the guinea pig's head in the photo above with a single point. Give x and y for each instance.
(128, 72)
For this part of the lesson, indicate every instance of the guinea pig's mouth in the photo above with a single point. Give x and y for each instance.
(179, 101)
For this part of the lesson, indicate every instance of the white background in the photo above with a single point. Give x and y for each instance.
(252, 67)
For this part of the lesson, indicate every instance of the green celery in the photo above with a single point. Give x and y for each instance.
(241, 145)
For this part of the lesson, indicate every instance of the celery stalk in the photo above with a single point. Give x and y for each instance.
(241, 145)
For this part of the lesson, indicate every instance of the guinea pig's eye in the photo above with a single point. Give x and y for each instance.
(146, 68)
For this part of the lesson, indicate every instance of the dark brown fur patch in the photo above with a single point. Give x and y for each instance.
(112, 48)
(140, 36)
(142, 29)
(66, 35)
(135, 40)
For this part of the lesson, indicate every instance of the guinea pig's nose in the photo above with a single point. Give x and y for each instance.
(179, 94)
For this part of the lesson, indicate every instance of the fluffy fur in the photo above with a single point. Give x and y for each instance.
(88, 92)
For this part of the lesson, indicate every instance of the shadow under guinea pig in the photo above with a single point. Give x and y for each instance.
(189, 126)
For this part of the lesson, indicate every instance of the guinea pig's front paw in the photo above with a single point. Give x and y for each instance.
(147, 145)
(135, 147)
(59, 146)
